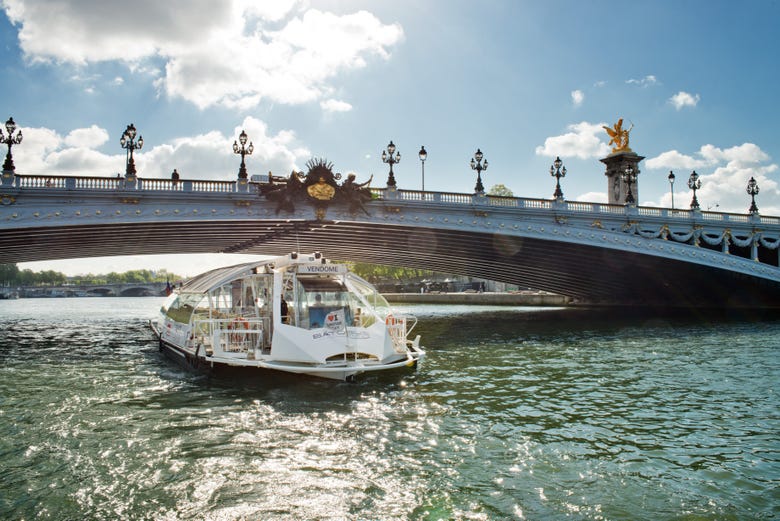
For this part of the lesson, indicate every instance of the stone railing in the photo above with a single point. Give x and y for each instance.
(37, 182)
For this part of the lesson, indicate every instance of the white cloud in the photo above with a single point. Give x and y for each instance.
(333, 105)
(593, 197)
(204, 156)
(577, 97)
(235, 54)
(743, 155)
(684, 99)
(583, 141)
(647, 81)
(271, 11)
(725, 185)
(91, 137)
(674, 159)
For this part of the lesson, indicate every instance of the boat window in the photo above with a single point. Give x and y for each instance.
(263, 291)
(324, 301)
(370, 297)
(181, 309)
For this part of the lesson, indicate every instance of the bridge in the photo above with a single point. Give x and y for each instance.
(597, 253)
(131, 289)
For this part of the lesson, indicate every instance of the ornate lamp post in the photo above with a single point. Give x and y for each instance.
(479, 165)
(391, 157)
(244, 151)
(671, 186)
(557, 173)
(10, 127)
(129, 143)
(694, 183)
(629, 177)
(752, 189)
(423, 156)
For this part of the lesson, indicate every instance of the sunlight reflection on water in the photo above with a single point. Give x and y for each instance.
(514, 414)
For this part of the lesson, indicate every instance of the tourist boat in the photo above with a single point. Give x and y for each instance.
(297, 313)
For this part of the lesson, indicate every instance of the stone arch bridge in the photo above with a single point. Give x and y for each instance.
(596, 253)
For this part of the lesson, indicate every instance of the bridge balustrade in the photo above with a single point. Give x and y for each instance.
(35, 182)
(160, 184)
(213, 186)
(508, 202)
(97, 183)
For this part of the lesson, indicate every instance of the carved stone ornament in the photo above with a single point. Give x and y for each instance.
(319, 188)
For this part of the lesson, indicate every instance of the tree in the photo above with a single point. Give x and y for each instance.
(26, 277)
(500, 190)
(9, 274)
(377, 272)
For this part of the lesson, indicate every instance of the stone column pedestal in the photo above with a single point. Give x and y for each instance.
(616, 164)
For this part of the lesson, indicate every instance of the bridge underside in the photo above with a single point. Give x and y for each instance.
(586, 273)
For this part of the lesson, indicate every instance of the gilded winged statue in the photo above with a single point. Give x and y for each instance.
(619, 136)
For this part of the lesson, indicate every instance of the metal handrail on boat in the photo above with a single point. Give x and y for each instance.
(232, 336)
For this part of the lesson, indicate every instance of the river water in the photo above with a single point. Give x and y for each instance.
(515, 414)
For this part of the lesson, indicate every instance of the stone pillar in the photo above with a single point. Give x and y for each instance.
(616, 164)
(8, 177)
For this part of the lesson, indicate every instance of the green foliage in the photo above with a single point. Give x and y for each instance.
(377, 272)
(500, 190)
(10, 275)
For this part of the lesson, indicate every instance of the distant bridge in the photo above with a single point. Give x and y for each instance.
(603, 253)
(95, 290)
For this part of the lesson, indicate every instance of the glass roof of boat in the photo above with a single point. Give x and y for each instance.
(217, 277)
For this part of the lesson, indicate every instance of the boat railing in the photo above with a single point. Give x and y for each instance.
(398, 327)
(234, 336)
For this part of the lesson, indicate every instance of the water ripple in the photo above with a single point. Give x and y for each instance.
(514, 415)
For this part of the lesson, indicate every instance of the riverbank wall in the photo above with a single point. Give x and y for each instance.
(485, 298)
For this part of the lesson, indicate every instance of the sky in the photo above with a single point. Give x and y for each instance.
(523, 81)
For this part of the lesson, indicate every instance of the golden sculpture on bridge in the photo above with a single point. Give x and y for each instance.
(619, 136)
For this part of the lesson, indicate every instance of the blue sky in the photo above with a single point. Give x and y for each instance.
(523, 81)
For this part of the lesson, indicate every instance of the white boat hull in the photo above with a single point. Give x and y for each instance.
(346, 371)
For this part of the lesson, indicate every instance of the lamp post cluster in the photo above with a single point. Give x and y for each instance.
(10, 127)
(129, 143)
(557, 172)
(391, 157)
(477, 163)
(752, 190)
(244, 151)
(694, 183)
(629, 177)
